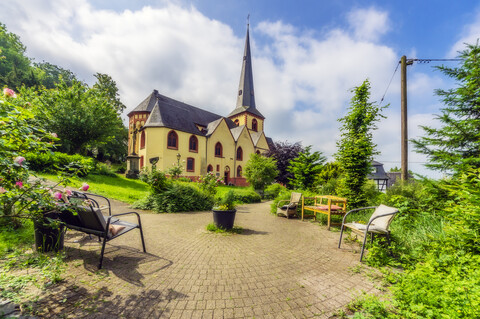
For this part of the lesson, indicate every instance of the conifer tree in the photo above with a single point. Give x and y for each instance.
(456, 144)
(356, 148)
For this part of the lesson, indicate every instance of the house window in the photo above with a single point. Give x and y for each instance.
(218, 168)
(190, 164)
(239, 154)
(237, 122)
(193, 144)
(142, 140)
(172, 140)
(239, 171)
(254, 125)
(218, 149)
(209, 168)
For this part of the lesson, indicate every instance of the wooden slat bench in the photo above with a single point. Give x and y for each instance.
(326, 204)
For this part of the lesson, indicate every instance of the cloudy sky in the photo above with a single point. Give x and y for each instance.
(307, 56)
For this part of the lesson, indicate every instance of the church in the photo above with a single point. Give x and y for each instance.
(167, 132)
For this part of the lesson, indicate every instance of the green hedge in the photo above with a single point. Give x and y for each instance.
(177, 197)
(51, 162)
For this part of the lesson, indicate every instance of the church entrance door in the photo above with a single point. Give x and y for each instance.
(226, 178)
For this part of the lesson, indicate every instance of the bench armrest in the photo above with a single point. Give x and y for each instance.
(356, 210)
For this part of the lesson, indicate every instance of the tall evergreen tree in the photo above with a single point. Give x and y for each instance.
(305, 169)
(456, 144)
(356, 148)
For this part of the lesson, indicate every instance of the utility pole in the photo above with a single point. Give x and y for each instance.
(404, 125)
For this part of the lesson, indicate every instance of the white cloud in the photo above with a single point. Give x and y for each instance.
(369, 24)
(470, 35)
(302, 79)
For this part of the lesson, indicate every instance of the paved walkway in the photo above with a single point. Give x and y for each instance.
(277, 268)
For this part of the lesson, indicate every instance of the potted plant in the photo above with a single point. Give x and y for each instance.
(224, 211)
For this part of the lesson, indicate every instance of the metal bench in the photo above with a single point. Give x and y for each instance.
(86, 216)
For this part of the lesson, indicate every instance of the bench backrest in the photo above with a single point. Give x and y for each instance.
(295, 198)
(331, 200)
(383, 222)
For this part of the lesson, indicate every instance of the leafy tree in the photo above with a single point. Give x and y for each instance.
(456, 144)
(283, 153)
(305, 169)
(331, 170)
(15, 67)
(260, 171)
(356, 148)
(84, 118)
(49, 75)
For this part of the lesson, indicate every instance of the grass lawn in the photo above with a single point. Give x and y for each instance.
(118, 187)
(125, 189)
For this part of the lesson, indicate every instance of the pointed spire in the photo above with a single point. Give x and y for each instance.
(246, 93)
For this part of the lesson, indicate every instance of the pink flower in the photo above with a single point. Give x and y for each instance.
(54, 135)
(9, 92)
(2, 190)
(57, 195)
(68, 192)
(84, 187)
(19, 160)
(19, 184)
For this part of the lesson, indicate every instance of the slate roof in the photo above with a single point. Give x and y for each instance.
(167, 112)
(379, 172)
(246, 93)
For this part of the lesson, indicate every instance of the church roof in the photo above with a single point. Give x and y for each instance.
(246, 93)
(167, 112)
(236, 131)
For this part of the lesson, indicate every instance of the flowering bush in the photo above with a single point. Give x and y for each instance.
(23, 196)
(209, 183)
(155, 179)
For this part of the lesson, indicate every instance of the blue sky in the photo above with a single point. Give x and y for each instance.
(307, 55)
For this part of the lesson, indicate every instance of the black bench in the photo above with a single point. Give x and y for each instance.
(86, 216)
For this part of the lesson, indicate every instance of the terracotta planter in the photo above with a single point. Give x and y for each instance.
(224, 218)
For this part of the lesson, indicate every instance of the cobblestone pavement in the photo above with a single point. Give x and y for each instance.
(276, 268)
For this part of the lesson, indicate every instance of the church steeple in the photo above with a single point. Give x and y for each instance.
(246, 93)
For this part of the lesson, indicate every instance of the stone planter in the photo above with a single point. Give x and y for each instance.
(224, 218)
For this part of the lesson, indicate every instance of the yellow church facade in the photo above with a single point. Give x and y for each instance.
(168, 132)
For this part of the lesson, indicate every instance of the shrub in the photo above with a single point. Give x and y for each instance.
(180, 197)
(51, 162)
(272, 191)
(247, 197)
(104, 169)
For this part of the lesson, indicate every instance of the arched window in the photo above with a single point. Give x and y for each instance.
(141, 162)
(239, 154)
(190, 164)
(209, 168)
(218, 149)
(193, 144)
(239, 171)
(237, 122)
(254, 125)
(142, 140)
(172, 140)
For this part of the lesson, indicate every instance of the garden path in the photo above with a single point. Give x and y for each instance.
(276, 268)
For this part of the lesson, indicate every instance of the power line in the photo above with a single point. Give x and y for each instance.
(410, 61)
(388, 86)
(431, 60)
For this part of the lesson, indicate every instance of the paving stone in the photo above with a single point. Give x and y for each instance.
(277, 268)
